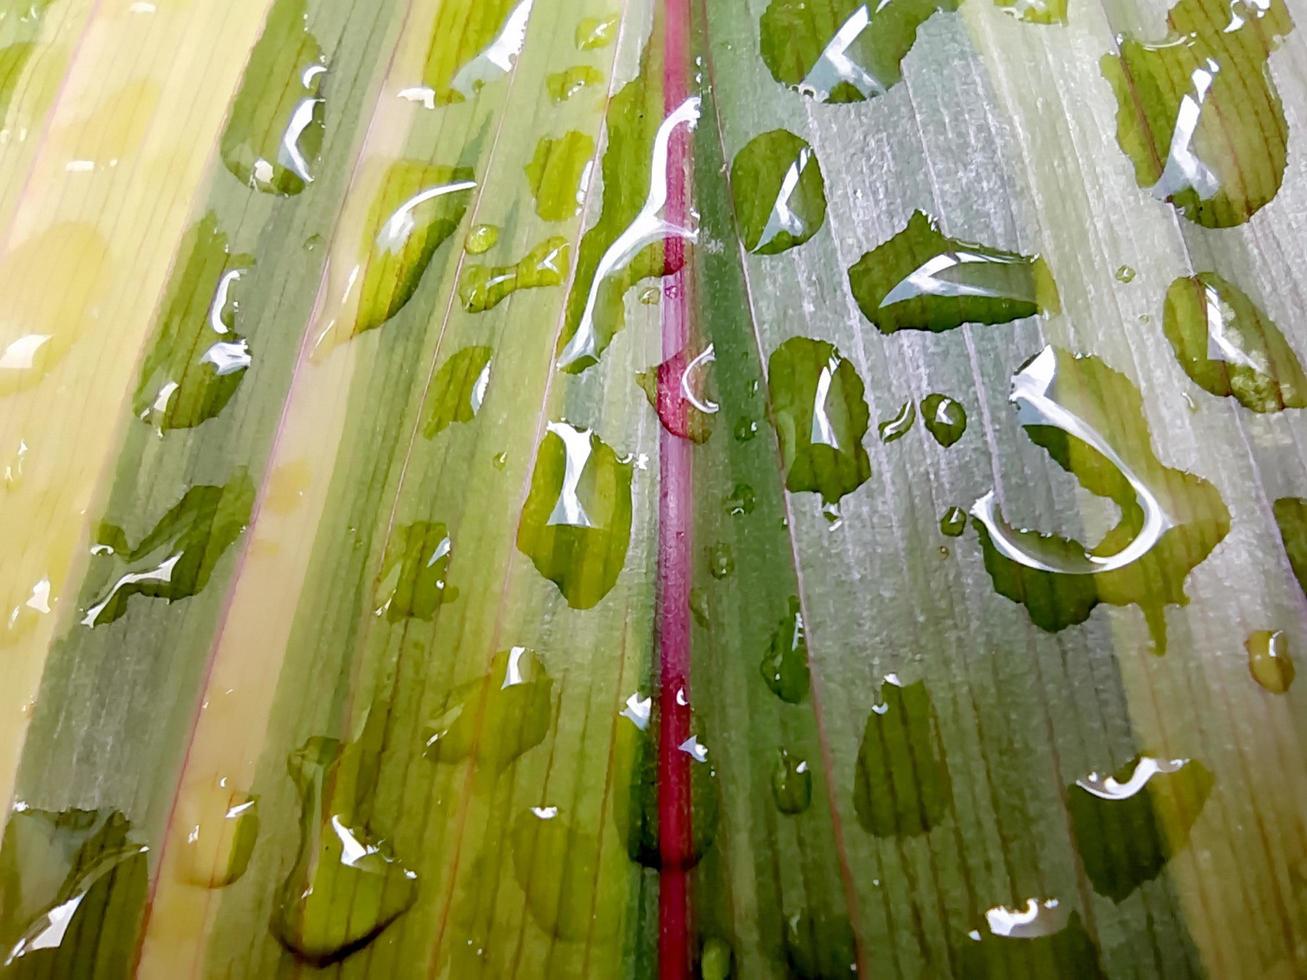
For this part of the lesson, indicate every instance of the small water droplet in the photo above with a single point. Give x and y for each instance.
(1042, 932)
(480, 239)
(313, 243)
(484, 287)
(1125, 273)
(458, 390)
(791, 783)
(745, 429)
(222, 826)
(741, 500)
(500, 460)
(411, 583)
(650, 295)
(944, 418)
(596, 32)
(699, 605)
(1291, 520)
(1269, 660)
(715, 960)
(785, 664)
(898, 426)
(562, 85)
(819, 946)
(721, 561)
(954, 522)
(679, 390)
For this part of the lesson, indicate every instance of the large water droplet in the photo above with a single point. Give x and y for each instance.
(944, 418)
(559, 172)
(1229, 347)
(1198, 114)
(626, 243)
(1090, 419)
(346, 886)
(196, 360)
(474, 43)
(842, 50)
(1269, 660)
(820, 416)
(902, 784)
(1040, 939)
(175, 558)
(458, 390)
(412, 581)
(1151, 804)
(558, 869)
(923, 280)
(483, 287)
(74, 890)
(785, 664)
(275, 130)
(791, 783)
(1291, 519)
(498, 716)
(222, 826)
(576, 525)
(678, 390)
(635, 801)
(780, 196)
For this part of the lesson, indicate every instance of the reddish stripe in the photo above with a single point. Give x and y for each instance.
(675, 958)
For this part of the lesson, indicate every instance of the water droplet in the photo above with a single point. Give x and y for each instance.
(559, 172)
(819, 947)
(785, 664)
(1229, 347)
(559, 871)
(954, 522)
(474, 43)
(715, 959)
(745, 429)
(677, 389)
(628, 242)
(791, 783)
(721, 561)
(274, 133)
(1291, 519)
(780, 196)
(902, 784)
(923, 280)
(11, 472)
(411, 584)
(820, 416)
(576, 525)
(844, 51)
(944, 418)
(596, 32)
(898, 426)
(196, 359)
(1198, 114)
(635, 801)
(458, 389)
(483, 287)
(346, 886)
(650, 295)
(175, 559)
(1041, 939)
(1125, 273)
(1269, 660)
(741, 500)
(500, 460)
(1090, 419)
(480, 239)
(76, 885)
(562, 85)
(222, 826)
(1035, 11)
(313, 243)
(1152, 803)
(497, 717)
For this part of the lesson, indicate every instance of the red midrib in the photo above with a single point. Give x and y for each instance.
(675, 955)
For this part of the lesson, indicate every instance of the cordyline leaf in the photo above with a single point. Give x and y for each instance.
(361, 617)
